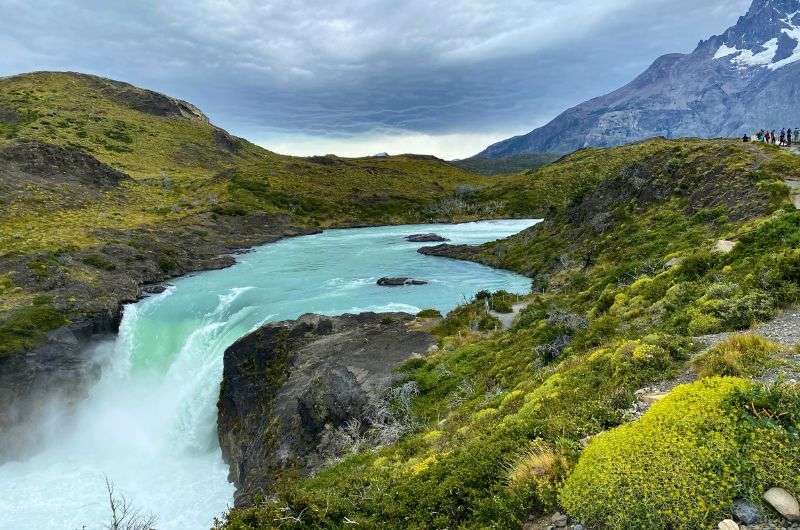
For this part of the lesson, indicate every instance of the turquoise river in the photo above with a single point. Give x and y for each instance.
(149, 423)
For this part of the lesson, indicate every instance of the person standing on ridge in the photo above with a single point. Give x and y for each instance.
(783, 138)
(796, 135)
(767, 136)
(774, 137)
(789, 137)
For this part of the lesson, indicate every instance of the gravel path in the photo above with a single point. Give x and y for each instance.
(507, 319)
(794, 184)
(784, 329)
(794, 191)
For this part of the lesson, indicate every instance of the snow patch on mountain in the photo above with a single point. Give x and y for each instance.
(766, 53)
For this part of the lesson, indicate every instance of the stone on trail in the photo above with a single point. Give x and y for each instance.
(728, 524)
(746, 512)
(649, 399)
(559, 520)
(784, 503)
(723, 246)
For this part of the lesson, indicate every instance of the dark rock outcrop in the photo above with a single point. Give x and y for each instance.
(399, 282)
(463, 252)
(291, 391)
(144, 100)
(226, 141)
(34, 160)
(426, 238)
(731, 84)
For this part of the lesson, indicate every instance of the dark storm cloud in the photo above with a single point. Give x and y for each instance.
(325, 68)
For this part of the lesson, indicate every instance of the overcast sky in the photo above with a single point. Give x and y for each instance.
(444, 77)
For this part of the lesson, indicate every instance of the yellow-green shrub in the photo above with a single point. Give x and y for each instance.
(684, 462)
(740, 355)
(539, 470)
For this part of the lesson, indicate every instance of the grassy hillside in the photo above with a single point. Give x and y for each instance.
(104, 186)
(505, 166)
(625, 275)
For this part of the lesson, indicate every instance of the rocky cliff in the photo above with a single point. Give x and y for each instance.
(300, 393)
(740, 81)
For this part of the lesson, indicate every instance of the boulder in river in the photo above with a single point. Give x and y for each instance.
(298, 394)
(426, 238)
(400, 281)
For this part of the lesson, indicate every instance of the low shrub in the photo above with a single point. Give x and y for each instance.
(685, 461)
(740, 355)
(502, 302)
(539, 471)
(429, 313)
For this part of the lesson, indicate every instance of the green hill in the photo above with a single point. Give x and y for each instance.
(105, 186)
(626, 275)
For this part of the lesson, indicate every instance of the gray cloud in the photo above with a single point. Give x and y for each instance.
(338, 69)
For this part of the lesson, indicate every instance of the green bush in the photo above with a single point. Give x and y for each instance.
(728, 306)
(429, 313)
(99, 261)
(502, 302)
(538, 472)
(685, 461)
(740, 355)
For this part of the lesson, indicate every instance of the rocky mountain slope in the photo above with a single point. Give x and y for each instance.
(731, 84)
(106, 189)
(599, 402)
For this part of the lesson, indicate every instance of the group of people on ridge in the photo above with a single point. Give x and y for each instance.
(784, 139)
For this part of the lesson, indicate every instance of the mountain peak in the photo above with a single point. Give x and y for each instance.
(783, 6)
(732, 84)
(768, 36)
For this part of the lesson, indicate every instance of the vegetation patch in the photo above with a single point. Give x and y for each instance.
(740, 355)
(685, 461)
(25, 328)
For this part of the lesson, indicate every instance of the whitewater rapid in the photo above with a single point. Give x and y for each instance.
(149, 424)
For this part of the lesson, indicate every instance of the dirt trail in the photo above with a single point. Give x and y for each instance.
(507, 319)
(794, 184)
(783, 329)
(794, 191)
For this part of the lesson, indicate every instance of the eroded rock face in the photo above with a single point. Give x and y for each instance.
(293, 390)
(145, 100)
(37, 160)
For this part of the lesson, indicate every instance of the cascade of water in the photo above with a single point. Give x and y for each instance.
(149, 423)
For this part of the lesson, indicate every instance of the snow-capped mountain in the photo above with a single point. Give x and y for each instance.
(740, 81)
